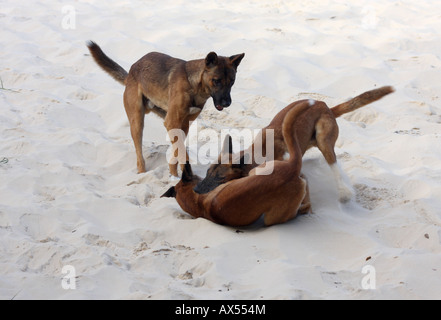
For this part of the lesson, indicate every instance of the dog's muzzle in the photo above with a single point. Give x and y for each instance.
(206, 186)
(223, 103)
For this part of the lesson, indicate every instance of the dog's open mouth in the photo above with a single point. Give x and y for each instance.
(219, 108)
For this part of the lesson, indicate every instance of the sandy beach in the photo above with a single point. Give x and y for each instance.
(78, 222)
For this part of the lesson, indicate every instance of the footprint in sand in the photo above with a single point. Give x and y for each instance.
(186, 264)
(372, 197)
(82, 94)
(37, 226)
(156, 156)
(343, 280)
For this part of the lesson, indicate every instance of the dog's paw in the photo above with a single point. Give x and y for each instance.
(345, 192)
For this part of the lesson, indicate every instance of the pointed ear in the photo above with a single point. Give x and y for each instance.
(227, 151)
(236, 59)
(170, 193)
(242, 161)
(228, 145)
(187, 173)
(211, 60)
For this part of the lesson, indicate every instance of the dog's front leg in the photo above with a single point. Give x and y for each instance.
(174, 123)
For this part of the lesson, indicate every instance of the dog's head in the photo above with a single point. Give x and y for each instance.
(219, 76)
(225, 170)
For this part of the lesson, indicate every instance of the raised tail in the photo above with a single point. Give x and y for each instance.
(111, 67)
(290, 135)
(361, 100)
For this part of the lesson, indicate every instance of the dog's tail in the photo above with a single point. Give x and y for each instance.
(111, 67)
(361, 100)
(290, 135)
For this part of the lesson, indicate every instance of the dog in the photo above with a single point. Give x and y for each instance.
(316, 127)
(280, 196)
(174, 89)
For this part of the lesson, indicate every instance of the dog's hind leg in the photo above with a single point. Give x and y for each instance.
(136, 111)
(345, 189)
(326, 136)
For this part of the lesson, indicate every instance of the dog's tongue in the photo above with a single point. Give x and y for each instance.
(220, 108)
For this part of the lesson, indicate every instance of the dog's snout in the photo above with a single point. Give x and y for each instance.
(206, 185)
(226, 102)
(197, 189)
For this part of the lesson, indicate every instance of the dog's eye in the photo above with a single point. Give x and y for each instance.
(217, 82)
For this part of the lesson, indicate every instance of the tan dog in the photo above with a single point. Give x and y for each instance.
(316, 127)
(174, 89)
(280, 196)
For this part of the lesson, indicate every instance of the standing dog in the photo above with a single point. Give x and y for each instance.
(280, 195)
(317, 126)
(174, 89)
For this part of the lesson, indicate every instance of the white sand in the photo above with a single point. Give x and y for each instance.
(70, 195)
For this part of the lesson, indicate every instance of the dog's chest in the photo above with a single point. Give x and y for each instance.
(197, 105)
(194, 110)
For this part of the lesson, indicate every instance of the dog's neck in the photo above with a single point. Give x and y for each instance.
(195, 71)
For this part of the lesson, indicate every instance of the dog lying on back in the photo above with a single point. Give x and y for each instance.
(317, 126)
(280, 196)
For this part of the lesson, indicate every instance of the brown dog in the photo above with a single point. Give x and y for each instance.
(280, 195)
(316, 127)
(174, 89)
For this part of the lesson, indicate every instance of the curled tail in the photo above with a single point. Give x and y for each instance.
(361, 100)
(290, 135)
(111, 67)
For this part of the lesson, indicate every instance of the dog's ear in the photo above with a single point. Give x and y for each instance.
(244, 160)
(211, 60)
(228, 145)
(236, 59)
(227, 150)
(170, 193)
(187, 173)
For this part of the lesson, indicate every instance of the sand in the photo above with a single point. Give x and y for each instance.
(78, 222)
